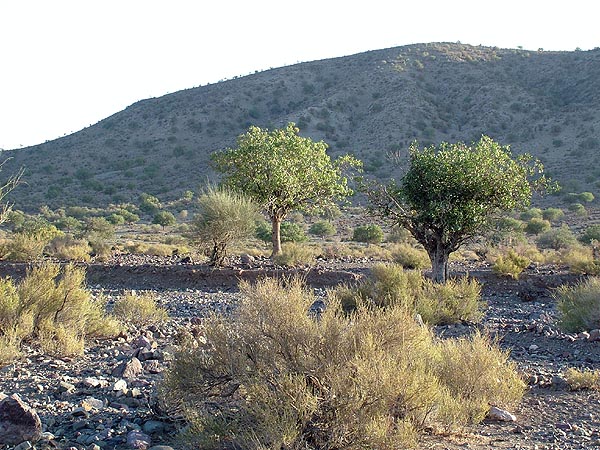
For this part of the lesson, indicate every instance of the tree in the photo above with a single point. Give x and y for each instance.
(164, 219)
(224, 217)
(449, 194)
(282, 172)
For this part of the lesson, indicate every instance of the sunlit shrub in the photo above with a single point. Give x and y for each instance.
(511, 264)
(582, 379)
(579, 305)
(139, 309)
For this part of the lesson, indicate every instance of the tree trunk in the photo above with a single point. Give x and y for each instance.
(276, 236)
(439, 263)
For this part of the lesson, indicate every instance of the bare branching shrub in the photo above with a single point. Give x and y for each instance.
(273, 376)
(579, 305)
(52, 308)
(390, 285)
(582, 379)
(139, 309)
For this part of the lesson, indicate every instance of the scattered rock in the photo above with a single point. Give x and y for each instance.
(137, 439)
(129, 369)
(594, 335)
(18, 422)
(500, 415)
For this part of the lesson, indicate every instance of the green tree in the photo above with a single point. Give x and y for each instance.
(282, 172)
(371, 234)
(450, 193)
(224, 217)
(164, 219)
(322, 228)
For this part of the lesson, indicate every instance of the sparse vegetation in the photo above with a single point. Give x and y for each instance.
(579, 305)
(279, 378)
(582, 379)
(511, 264)
(139, 309)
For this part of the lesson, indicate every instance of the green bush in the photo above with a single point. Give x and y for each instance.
(511, 264)
(273, 376)
(531, 213)
(579, 305)
(591, 233)
(289, 232)
(322, 228)
(371, 234)
(70, 249)
(224, 218)
(537, 226)
(164, 219)
(557, 238)
(390, 285)
(51, 308)
(553, 214)
(578, 209)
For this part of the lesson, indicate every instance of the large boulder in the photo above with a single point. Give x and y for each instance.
(18, 422)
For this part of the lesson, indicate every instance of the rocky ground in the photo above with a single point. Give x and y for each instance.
(105, 399)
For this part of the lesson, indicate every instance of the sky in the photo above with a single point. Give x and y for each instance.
(67, 64)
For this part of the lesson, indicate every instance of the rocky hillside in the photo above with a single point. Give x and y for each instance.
(369, 104)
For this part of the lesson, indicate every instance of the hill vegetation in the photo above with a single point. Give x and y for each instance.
(370, 104)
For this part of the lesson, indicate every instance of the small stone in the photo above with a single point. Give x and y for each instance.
(93, 382)
(533, 347)
(18, 422)
(120, 385)
(161, 447)
(24, 446)
(90, 403)
(500, 415)
(153, 427)
(66, 387)
(79, 412)
(153, 366)
(137, 439)
(584, 335)
(129, 369)
(594, 335)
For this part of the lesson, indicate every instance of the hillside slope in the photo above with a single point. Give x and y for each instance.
(369, 104)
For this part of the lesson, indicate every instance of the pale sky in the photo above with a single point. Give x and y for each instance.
(67, 64)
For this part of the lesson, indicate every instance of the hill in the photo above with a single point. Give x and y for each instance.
(370, 104)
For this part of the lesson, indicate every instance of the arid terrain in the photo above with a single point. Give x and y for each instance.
(84, 401)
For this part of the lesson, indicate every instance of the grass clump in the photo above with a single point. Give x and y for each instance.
(582, 379)
(293, 254)
(511, 264)
(273, 376)
(139, 309)
(67, 248)
(579, 305)
(580, 260)
(390, 286)
(410, 257)
(52, 309)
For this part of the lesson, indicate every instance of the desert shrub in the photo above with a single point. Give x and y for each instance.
(400, 235)
(149, 203)
(591, 233)
(29, 240)
(69, 248)
(273, 376)
(511, 264)
(164, 219)
(582, 379)
(585, 197)
(553, 214)
(578, 209)
(139, 309)
(224, 217)
(557, 238)
(579, 305)
(51, 308)
(371, 234)
(506, 229)
(322, 228)
(580, 260)
(289, 231)
(531, 213)
(294, 254)
(390, 285)
(410, 257)
(537, 226)
(115, 219)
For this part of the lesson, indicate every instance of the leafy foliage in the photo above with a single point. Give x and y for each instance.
(371, 234)
(450, 193)
(282, 172)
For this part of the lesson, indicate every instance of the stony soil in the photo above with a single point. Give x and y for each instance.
(94, 402)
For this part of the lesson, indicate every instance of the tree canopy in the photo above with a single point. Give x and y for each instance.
(450, 192)
(283, 172)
